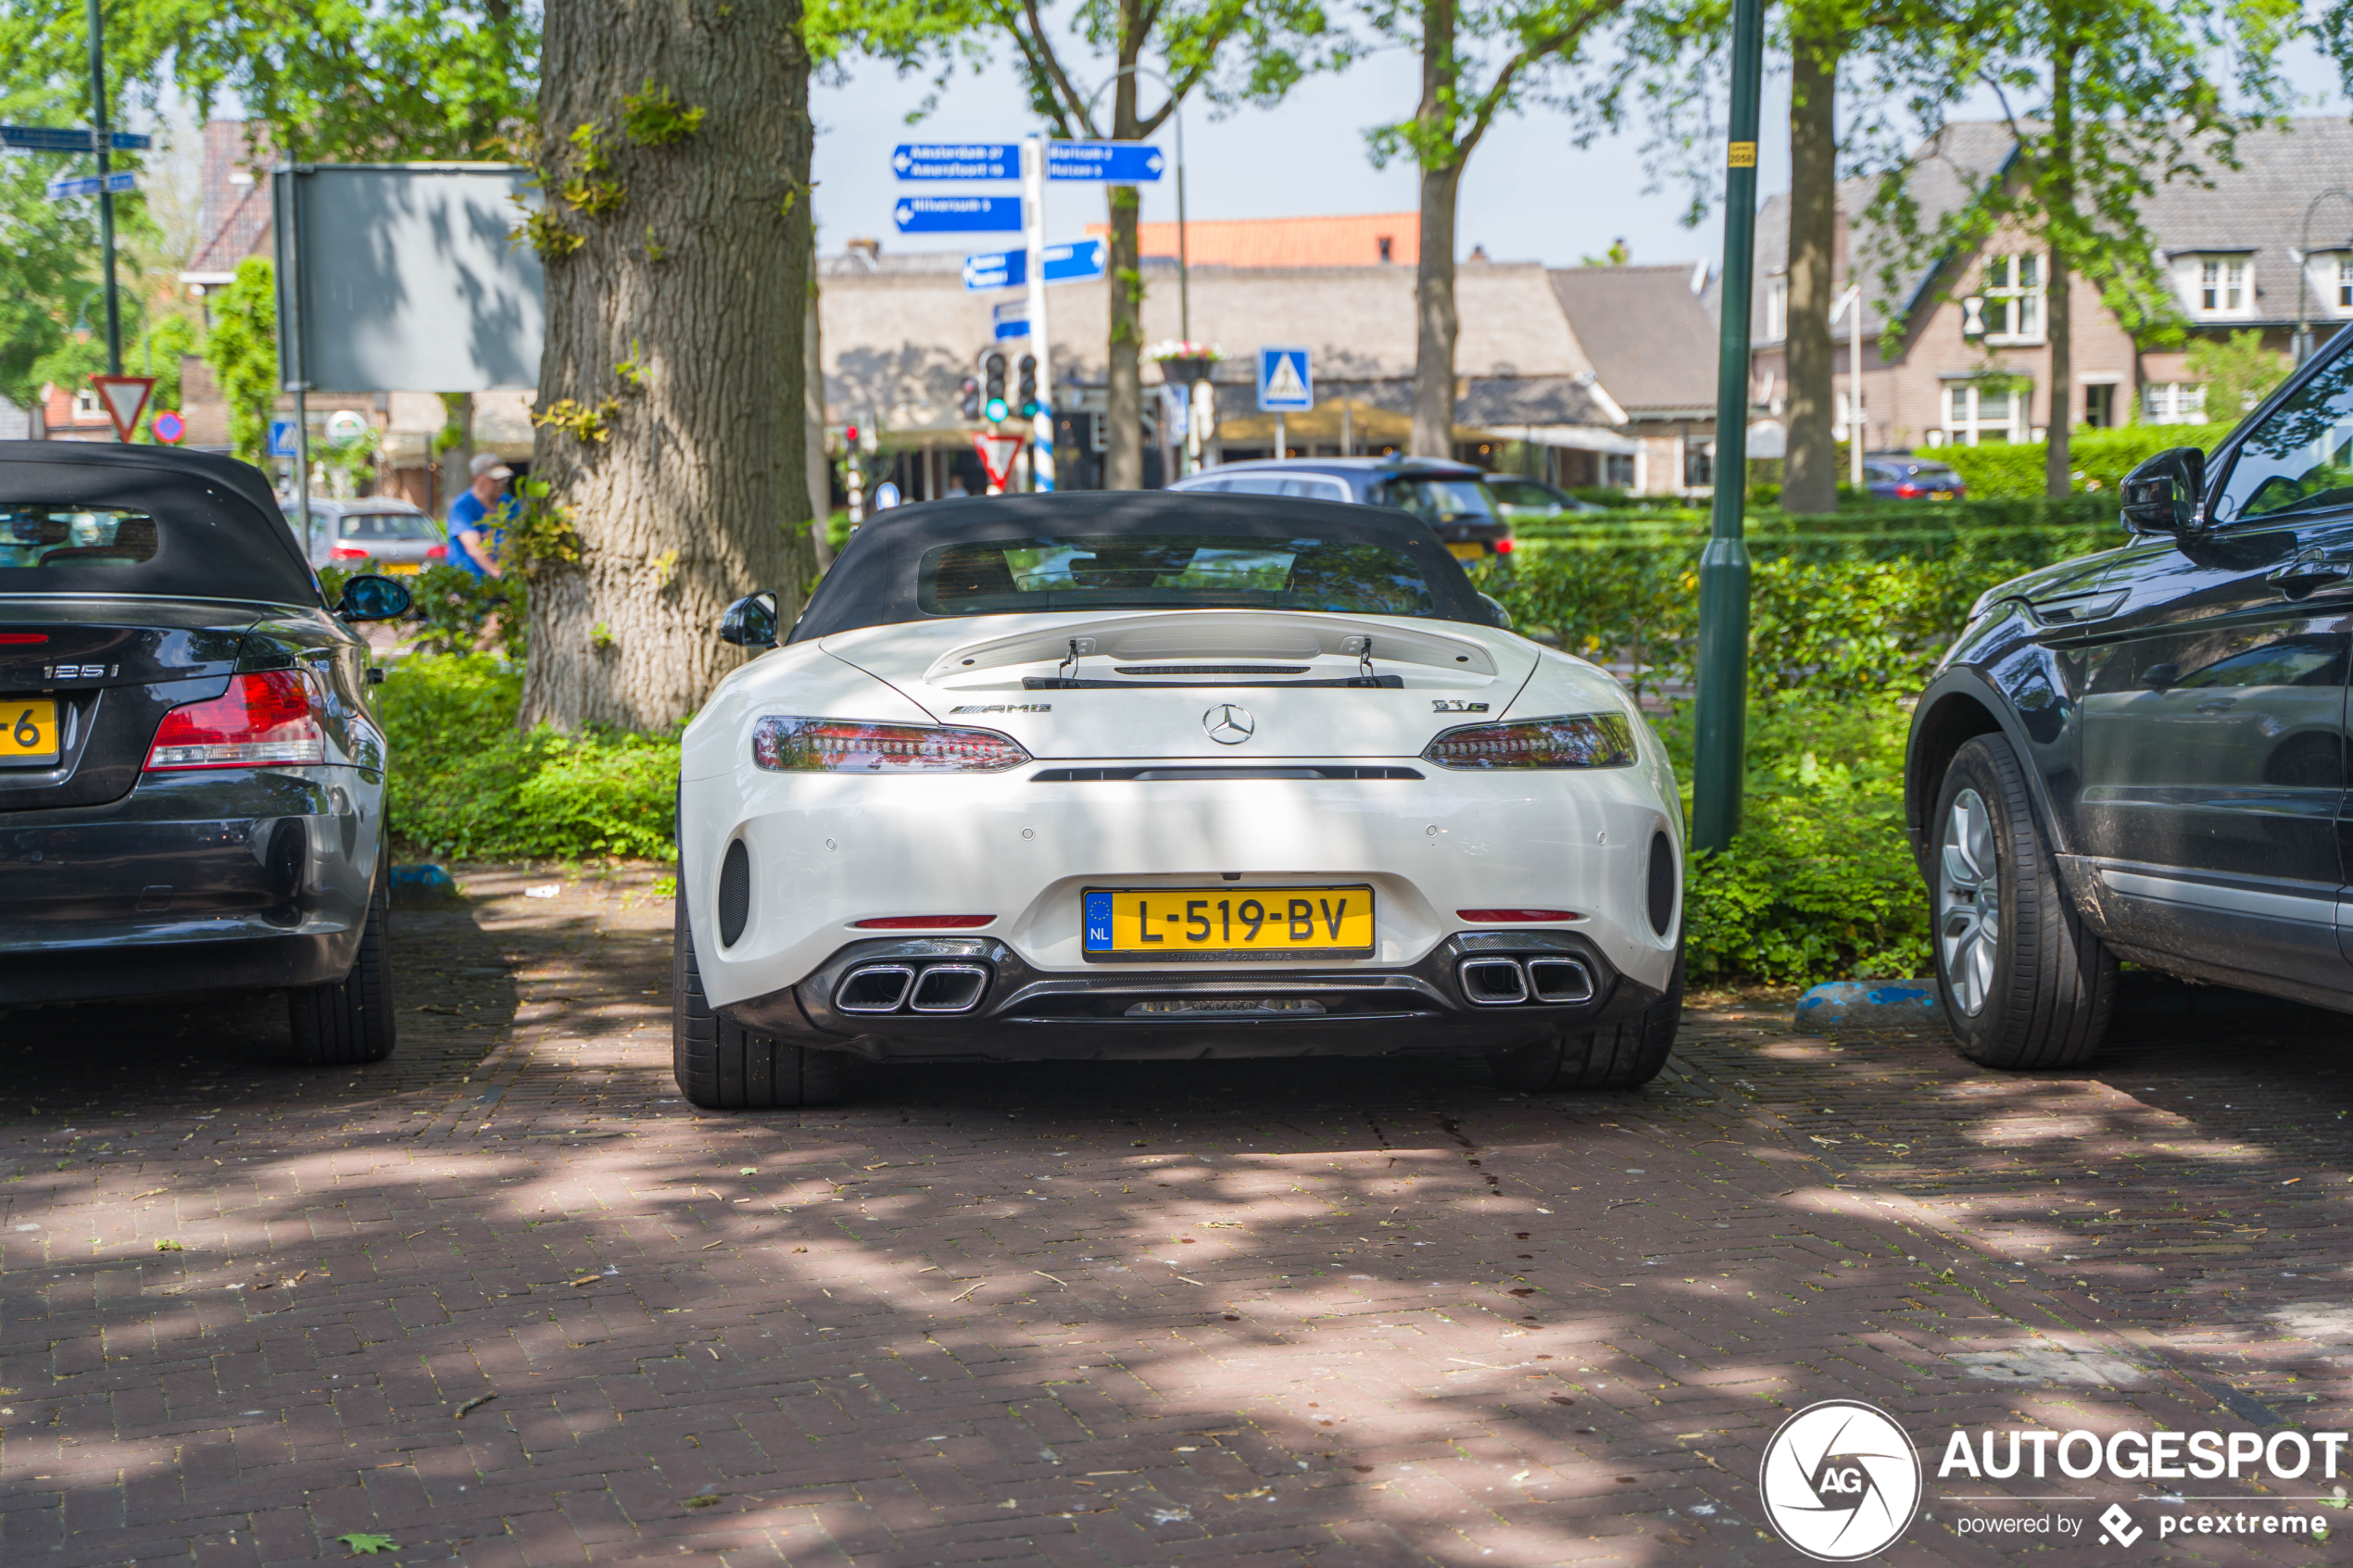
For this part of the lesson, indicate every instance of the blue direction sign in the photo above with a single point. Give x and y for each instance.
(1011, 319)
(957, 160)
(1112, 163)
(1284, 384)
(957, 214)
(91, 186)
(1072, 263)
(69, 139)
(282, 438)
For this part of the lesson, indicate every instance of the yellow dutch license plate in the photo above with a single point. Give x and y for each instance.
(1468, 552)
(401, 568)
(27, 732)
(1939, 495)
(1188, 924)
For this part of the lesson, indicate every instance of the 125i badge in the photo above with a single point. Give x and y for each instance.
(1455, 705)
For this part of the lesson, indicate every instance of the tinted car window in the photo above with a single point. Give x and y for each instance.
(1170, 571)
(387, 525)
(50, 538)
(2292, 661)
(1444, 500)
(2300, 458)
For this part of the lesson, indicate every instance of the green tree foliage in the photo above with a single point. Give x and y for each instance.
(2238, 372)
(2106, 99)
(243, 352)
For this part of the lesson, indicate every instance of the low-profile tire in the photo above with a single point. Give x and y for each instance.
(1624, 1055)
(723, 1066)
(2026, 984)
(350, 1020)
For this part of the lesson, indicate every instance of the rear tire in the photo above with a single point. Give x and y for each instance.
(348, 1022)
(723, 1066)
(2025, 984)
(1624, 1055)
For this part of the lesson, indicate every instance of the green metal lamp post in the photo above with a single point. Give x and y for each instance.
(1717, 765)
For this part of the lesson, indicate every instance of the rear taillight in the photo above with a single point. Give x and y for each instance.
(1503, 546)
(1583, 740)
(1909, 491)
(346, 552)
(841, 746)
(437, 554)
(270, 717)
(10, 639)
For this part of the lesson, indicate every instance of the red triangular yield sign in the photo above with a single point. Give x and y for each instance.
(126, 399)
(998, 449)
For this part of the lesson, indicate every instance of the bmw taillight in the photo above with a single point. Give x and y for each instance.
(437, 554)
(347, 552)
(1503, 547)
(842, 745)
(1908, 491)
(264, 719)
(1582, 740)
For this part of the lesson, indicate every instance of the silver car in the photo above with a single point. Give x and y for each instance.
(394, 534)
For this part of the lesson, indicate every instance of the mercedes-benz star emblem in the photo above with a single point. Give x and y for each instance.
(1228, 725)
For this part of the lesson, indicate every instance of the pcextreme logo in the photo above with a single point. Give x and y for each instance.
(1840, 1481)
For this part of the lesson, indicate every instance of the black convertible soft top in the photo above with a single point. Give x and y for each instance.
(873, 581)
(220, 532)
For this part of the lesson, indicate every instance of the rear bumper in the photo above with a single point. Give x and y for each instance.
(1025, 1014)
(213, 880)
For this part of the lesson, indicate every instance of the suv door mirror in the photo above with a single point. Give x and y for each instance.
(2162, 495)
(370, 597)
(750, 622)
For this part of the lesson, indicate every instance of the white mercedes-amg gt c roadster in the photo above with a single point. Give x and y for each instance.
(1116, 776)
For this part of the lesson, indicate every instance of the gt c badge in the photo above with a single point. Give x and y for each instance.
(1454, 705)
(1228, 724)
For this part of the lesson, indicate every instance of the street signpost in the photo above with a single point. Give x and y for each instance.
(69, 139)
(1286, 385)
(92, 185)
(998, 448)
(957, 215)
(1074, 263)
(1041, 425)
(1722, 719)
(126, 399)
(167, 427)
(1108, 163)
(957, 160)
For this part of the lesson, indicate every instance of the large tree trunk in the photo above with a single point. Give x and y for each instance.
(669, 386)
(1809, 483)
(1435, 321)
(1124, 400)
(821, 470)
(2058, 459)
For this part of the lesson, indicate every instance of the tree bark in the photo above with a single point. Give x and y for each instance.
(670, 398)
(1441, 171)
(1809, 481)
(821, 470)
(2059, 464)
(1124, 400)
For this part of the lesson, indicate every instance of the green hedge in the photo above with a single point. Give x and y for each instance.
(2100, 458)
(466, 783)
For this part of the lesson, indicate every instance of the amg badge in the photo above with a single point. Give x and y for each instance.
(1455, 705)
(1004, 708)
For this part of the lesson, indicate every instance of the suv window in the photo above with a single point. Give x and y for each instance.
(1444, 500)
(2300, 458)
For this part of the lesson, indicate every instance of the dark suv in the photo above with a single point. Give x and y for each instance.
(2141, 754)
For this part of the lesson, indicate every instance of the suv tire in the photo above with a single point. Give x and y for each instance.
(350, 1020)
(2025, 984)
(723, 1066)
(1624, 1055)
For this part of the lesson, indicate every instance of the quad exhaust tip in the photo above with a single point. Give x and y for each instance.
(1502, 982)
(892, 987)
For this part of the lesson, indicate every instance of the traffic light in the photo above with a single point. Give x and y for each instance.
(1028, 386)
(993, 367)
(968, 398)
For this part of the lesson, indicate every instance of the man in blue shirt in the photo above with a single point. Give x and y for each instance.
(478, 517)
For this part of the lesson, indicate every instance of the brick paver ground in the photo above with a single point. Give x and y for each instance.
(506, 1300)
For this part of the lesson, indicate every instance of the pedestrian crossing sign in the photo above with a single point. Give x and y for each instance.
(1285, 385)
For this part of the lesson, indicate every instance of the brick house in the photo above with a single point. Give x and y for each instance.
(1971, 363)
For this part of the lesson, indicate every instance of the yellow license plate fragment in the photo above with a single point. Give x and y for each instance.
(1189, 923)
(1468, 552)
(27, 732)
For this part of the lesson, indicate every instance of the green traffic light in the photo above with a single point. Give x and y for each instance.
(1029, 410)
(997, 411)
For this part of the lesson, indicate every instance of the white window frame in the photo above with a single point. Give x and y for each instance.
(2016, 282)
(2341, 289)
(1776, 309)
(1964, 422)
(2219, 287)
(86, 405)
(2173, 403)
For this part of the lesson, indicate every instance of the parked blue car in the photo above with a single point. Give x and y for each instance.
(1901, 477)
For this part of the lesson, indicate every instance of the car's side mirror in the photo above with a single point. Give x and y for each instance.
(370, 597)
(1503, 617)
(2162, 494)
(750, 622)
(2161, 677)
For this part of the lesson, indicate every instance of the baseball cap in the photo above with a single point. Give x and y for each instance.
(488, 463)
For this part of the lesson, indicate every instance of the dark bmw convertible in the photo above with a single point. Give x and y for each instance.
(191, 786)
